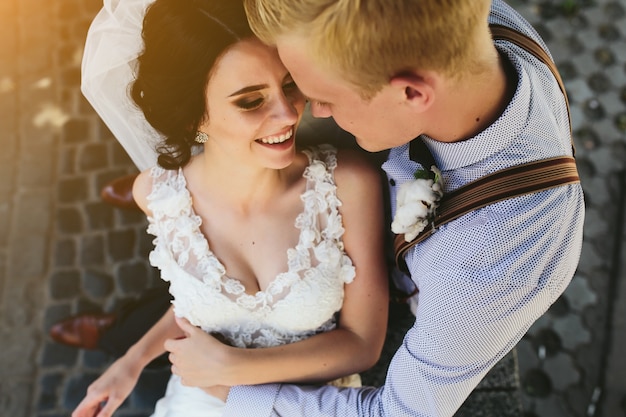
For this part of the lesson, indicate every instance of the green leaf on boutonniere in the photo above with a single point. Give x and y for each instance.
(422, 174)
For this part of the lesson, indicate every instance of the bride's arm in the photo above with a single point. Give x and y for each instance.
(117, 382)
(356, 343)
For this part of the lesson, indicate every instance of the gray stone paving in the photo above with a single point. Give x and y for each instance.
(62, 251)
(571, 360)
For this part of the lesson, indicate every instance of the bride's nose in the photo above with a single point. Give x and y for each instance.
(288, 109)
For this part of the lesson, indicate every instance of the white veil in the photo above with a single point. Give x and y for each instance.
(111, 50)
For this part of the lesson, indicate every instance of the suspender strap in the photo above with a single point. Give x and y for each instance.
(504, 184)
(501, 185)
(499, 32)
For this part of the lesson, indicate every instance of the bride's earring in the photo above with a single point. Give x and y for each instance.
(201, 137)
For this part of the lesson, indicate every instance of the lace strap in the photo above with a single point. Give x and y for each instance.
(169, 192)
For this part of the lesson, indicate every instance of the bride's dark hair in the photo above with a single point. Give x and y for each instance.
(182, 41)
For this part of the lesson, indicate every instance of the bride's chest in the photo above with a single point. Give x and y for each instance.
(293, 303)
(253, 249)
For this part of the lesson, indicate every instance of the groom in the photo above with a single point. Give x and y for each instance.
(428, 71)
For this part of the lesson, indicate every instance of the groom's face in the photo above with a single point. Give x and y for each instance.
(379, 123)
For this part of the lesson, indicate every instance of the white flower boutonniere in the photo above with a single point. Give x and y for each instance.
(416, 203)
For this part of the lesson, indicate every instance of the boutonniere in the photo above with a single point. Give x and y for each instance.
(416, 203)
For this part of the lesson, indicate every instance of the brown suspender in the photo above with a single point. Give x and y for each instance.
(499, 32)
(504, 184)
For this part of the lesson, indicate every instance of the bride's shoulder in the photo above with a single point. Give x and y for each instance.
(355, 167)
(142, 187)
(146, 181)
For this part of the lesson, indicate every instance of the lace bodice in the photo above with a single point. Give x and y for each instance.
(298, 303)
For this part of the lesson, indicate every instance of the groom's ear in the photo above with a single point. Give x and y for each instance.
(415, 89)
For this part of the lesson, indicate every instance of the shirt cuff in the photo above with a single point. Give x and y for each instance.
(251, 401)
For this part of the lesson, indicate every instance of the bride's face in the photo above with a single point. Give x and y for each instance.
(253, 106)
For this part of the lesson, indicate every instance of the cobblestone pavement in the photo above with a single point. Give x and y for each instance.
(63, 251)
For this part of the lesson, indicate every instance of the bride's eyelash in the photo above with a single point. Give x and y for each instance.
(247, 104)
(254, 103)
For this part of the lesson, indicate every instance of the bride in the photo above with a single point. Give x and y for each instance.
(274, 253)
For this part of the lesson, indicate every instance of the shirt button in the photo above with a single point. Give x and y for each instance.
(392, 182)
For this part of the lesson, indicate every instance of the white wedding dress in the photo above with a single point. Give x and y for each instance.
(298, 303)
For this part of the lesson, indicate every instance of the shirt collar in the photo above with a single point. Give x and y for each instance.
(495, 138)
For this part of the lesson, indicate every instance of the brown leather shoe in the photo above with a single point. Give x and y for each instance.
(82, 331)
(119, 192)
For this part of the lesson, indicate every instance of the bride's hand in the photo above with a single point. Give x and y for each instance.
(200, 359)
(112, 387)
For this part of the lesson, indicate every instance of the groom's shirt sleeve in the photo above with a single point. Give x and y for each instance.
(242, 397)
(299, 400)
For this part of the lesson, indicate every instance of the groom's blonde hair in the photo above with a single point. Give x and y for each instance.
(369, 41)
